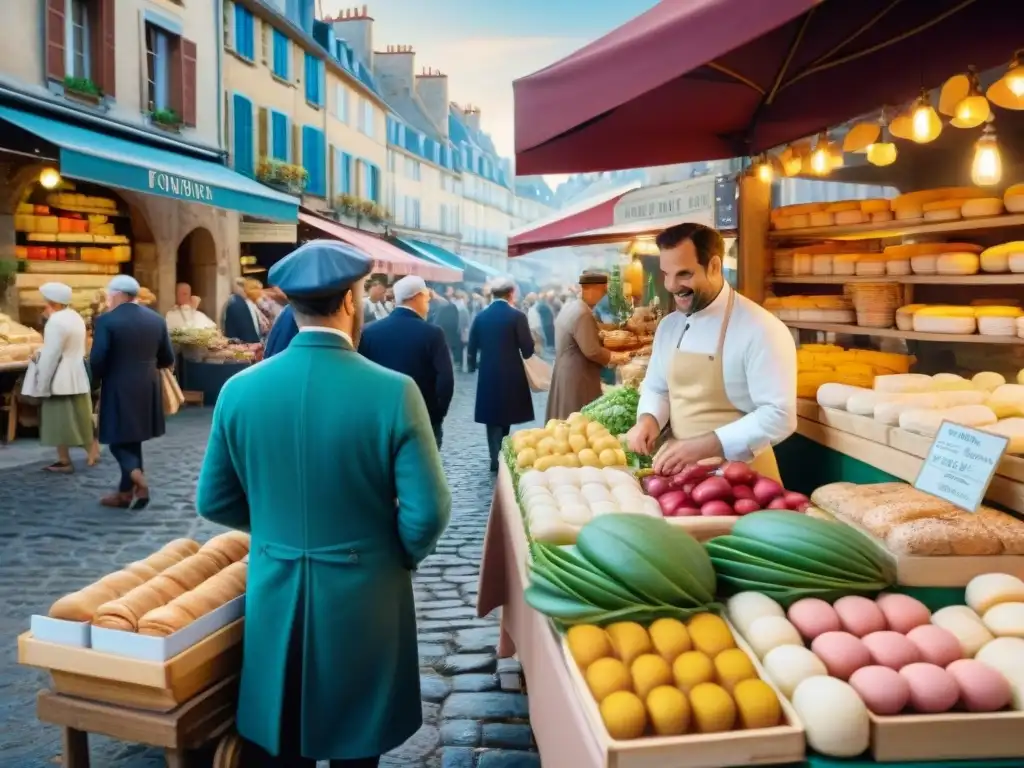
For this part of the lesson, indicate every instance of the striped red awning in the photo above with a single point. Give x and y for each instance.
(386, 257)
(596, 212)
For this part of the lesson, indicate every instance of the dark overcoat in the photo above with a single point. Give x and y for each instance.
(330, 462)
(405, 342)
(499, 341)
(281, 333)
(238, 321)
(130, 344)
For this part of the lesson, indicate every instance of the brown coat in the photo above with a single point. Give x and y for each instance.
(579, 358)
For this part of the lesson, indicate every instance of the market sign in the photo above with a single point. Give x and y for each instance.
(960, 465)
(690, 200)
(260, 232)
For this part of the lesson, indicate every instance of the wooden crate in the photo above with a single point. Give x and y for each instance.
(155, 686)
(764, 746)
(948, 736)
(862, 426)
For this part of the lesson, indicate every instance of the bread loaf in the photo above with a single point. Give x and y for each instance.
(125, 612)
(122, 582)
(226, 548)
(164, 620)
(170, 553)
(140, 569)
(192, 571)
(82, 605)
(211, 594)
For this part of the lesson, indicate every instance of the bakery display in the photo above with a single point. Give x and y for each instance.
(220, 588)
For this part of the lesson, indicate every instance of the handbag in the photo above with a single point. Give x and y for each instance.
(31, 387)
(538, 373)
(172, 395)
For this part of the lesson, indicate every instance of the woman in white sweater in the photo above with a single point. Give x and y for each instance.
(63, 381)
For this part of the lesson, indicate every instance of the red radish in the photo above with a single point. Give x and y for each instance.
(738, 473)
(778, 503)
(676, 481)
(694, 473)
(672, 501)
(742, 492)
(655, 486)
(766, 490)
(795, 500)
(687, 512)
(716, 508)
(746, 506)
(712, 489)
(688, 487)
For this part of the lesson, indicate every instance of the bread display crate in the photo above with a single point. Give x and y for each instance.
(159, 686)
(763, 746)
(77, 634)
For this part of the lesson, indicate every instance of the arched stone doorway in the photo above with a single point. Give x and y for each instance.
(197, 266)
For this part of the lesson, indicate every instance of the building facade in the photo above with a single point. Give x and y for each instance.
(147, 73)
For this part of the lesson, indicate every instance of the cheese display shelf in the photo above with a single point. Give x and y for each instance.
(895, 333)
(914, 228)
(985, 279)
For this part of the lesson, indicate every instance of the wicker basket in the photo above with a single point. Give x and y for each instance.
(876, 303)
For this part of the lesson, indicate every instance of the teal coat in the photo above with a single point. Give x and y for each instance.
(330, 461)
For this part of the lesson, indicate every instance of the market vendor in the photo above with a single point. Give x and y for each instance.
(579, 354)
(185, 314)
(722, 375)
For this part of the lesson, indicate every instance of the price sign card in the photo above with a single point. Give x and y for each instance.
(960, 465)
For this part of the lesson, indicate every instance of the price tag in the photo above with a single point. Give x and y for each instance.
(960, 465)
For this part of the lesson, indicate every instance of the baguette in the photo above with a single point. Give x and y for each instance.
(192, 571)
(82, 605)
(140, 569)
(125, 612)
(211, 594)
(170, 553)
(226, 548)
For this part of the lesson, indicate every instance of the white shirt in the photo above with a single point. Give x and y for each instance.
(61, 366)
(759, 366)
(323, 329)
(187, 317)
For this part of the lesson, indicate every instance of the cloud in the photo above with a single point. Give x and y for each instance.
(481, 70)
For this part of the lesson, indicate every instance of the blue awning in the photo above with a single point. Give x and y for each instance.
(117, 162)
(488, 273)
(430, 252)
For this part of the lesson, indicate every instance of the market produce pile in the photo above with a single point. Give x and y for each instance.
(210, 346)
(576, 442)
(615, 410)
(672, 678)
(716, 488)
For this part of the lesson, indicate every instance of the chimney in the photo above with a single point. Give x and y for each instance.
(432, 89)
(355, 27)
(471, 116)
(395, 69)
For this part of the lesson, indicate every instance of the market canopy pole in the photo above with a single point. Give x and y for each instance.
(708, 79)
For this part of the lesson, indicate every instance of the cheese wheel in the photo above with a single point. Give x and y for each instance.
(821, 263)
(821, 219)
(957, 264)
(871, 264)
(997, 258)
(799, 209)
(850, 217)
(921, 249)
(919, 198)
(943, 214)
(898, 266)
(1013, 199)
(907, 214)
(843, 205)
(983, 206)
(845, 263)
(875, 206)
(878, 217)
(925, 264)
(944, 324)
(799, 221)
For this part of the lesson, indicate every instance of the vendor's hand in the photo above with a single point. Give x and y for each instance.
(644, 435)
(618, 358)
(673, 456)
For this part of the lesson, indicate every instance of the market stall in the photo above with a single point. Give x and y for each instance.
(206, 360)
(147, 654)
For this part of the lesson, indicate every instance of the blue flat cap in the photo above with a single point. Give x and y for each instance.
(320, 268)
(124, 284)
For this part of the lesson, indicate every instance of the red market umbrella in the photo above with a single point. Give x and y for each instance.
(708, 79)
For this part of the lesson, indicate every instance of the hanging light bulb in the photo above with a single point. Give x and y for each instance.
(882, 151)
(926, 124)
(791, 161)
(987, 167)
(973, 109)
(765, 172)
(49, 178)
(821, 158)
(1014, 77)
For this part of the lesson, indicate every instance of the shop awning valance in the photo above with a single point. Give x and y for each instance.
(118, 162)
(387, 258)
(596, 211)
(480, 273)
(707, 79)
(432, 253)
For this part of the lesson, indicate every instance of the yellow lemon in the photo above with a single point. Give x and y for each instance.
(587, 644)
(669, 638)
(713, 709)
(624, 715)
(648, 672)
(629, 640)
(588, 458)
(605, 677)
(757, 704)
(668, 710)
(733, 666)
(545, 446)
(691, 669)
(608, 458)
(526, 458)
(577, 443)
(710, 634)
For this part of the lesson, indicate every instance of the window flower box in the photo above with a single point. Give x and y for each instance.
(166, 120)
(285, 177)
(82, 89)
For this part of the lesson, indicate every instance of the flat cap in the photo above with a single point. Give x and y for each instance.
(593, 278)
(408, 287)
(58, 293)
(320, 268)
(124, 284)
(502, 283)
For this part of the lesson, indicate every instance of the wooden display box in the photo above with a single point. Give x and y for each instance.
(947, 736)
(764, 746)
(151, 685)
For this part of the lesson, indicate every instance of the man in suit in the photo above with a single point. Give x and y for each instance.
(241, 318)
(329, 460)
(405, 342)
(500, 336)
(374, 308)
(281, 333)
(130, 344)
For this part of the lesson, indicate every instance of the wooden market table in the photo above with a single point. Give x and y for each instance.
(561, 729)
(193, 725)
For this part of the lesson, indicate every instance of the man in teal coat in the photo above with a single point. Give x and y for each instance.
(330, 462)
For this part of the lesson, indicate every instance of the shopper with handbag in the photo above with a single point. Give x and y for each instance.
(62, 382)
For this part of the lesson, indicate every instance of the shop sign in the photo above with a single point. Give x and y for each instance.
(259, 232)
(960, 465)
(180, 187)
(690, 200)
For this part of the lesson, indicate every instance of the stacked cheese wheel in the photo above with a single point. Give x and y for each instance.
(842, 213)
(672, 678)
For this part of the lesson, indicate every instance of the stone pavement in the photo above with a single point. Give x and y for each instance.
(54, 538)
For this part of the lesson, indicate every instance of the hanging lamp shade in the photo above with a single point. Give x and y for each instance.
(860, 136)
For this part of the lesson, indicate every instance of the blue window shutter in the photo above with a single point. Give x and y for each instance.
(243, 129)
(346, 173)
(375, 183)
(282, 53)
(279, 136)
(313, 160)
(245, 43)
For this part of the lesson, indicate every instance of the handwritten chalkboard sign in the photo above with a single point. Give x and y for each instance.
(960, 465)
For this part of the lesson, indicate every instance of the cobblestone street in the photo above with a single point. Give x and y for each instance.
(55, 538)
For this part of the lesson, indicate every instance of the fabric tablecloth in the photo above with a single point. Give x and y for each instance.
(563, 735)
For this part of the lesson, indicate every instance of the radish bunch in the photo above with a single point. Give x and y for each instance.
(716, 488)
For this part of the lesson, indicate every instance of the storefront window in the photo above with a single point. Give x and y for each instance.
(158, 60)
(76, 43)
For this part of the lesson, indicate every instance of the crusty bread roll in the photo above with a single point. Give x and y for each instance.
(122, 582)
(82, 605)
(170, 553)
(226, 548)
(192, 571)
(125, 612)
(140, 569)
(166, 586)
(235, 574)
(219, 589)
(164, 620)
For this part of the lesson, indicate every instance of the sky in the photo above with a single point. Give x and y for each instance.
(483, 45)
